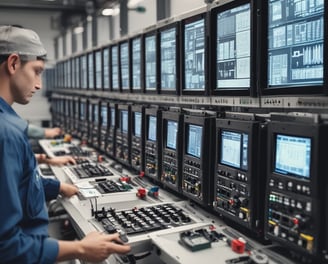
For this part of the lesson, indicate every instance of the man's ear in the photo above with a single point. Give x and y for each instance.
(12, 62)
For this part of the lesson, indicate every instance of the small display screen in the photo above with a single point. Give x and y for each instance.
(124, 59)
(115, 82)
(95, 113)
(82, 111)
(293, 155)
(194, 140)
(152, 128)
(90, 71)
(124, 121)
(150, 62)
(136, 63)
(171, 134)
(194, 55)
(104, 116)
(98, 65)
(112, 117)
(106, 67)
(84, 72)
(234, 149)
(168, 59)
(137, 124)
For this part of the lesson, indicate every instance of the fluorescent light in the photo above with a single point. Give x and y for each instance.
(78, 30)
(110, 11)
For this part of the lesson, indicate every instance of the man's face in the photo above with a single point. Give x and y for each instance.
(26, 80)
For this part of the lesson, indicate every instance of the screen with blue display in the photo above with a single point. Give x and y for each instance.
(137, 124)
(104, 116)
(98, 66)
(150, 62)
(136, 63)
(124, 121)
(152, 128)
(171, 134)
(125, 65)
(105, 55)
(114, 68)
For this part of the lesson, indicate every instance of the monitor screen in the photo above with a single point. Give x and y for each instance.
(98, 65)
(76, 109)
(152, 128)
(104, 116)
(234, 149)
(136, 63)
(112, 117)
(82, 111)
(137, 124)
(114, 65)
(84, 72)
(194, 140)
(90, 112)
(293, 155)
(68, 73)
(124, 121)
(105, 55)
(171, 134)
(168, 59)
(95, 113)
(90, 71)
(194, 55)
(150, 62)
(295, 43)
(124, 59)
(233, 43)
(77, 72)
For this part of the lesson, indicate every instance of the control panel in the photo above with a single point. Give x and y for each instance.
(153, 148)
(172, 123)
(123, 135)
(137, 137)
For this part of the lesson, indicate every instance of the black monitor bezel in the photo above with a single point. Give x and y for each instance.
(176, 90)
(141, 67)
(262, 60)
(183, 23)
(234, 91)
(150, 33)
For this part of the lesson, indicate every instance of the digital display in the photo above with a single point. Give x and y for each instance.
(82, 111)
(68, 74)
(112, 117)
(115, 83)
(295, 43)
(171, 134)
(137, 124)
(194, 140)
(136, 63)
(168, 59)
(104, 116)
(76, 111)
(95, 113)
(98, 66)
(233, 67)
(234, 149)
(90, 71)
(124, 121)
(84, 75)
(194, 55)
(106, 68)
(152, 128)
(124, 59)
(150, 62)
(90, 113)
(77, 71)
(293, 155)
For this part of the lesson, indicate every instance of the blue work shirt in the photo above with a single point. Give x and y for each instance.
(24, 217)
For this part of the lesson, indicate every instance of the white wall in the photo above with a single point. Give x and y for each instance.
(178, 7)
(138, 21)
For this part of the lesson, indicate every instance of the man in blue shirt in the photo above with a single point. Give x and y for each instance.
(24, 219)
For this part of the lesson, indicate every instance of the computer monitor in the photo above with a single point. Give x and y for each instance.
(125, 66)
(91, 75)
(105, 58)
(293, 54)
(169, 59)
(98, 69)
(194, 56)
(96, 113)
(124, 121)
(68, 73)
(136, 64)
(90, 112)
(114, 68)
(171, 134)
(84, 72)
(233, 44)
(150, 53)
(83, 110)
(137, 137)
(77, 76)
